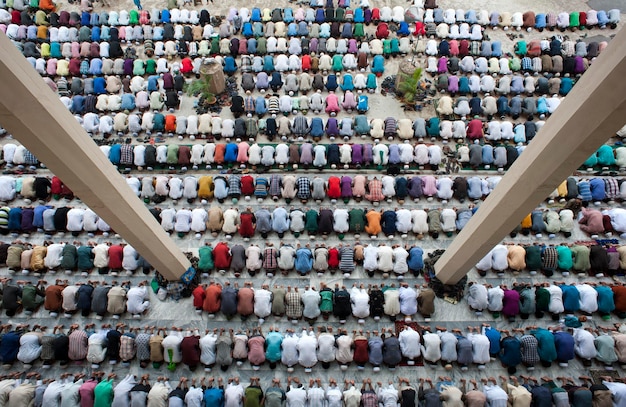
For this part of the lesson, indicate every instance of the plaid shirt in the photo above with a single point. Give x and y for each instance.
(474, 48)
(568, 48)
(269, 259)
(369, 399)
(275, 184)
(293, 305)
(527, 64)
(549, 258)
(304, 188)
(612, 188)
(126, 154)
(375, 188)
(248, 104)
(246, 63)
(234, 185)
(529, 349)
(551, 19)
(127, 347)
(30, 159)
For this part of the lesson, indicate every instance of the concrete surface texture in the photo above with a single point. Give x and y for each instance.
(182, 314)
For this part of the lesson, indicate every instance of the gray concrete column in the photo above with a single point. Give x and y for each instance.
(593, 111)
(35, 116)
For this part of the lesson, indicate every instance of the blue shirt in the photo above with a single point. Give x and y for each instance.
(304, 260)
(598, 192)
(494, 340)
(273, 342)
(571, 298)
(606, 303)
(416, 260)
(564, 343)
(510, 355)
(115, 153)
(214, 397)
(38, 217)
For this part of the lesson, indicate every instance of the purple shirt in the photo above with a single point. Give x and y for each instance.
(357, 154)
(367, 154)
(306, 153)
(346, 187)
(510, 303)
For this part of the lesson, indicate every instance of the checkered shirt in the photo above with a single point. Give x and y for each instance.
(474, 48)
(126, 154)
(127, 347)
(270, 262)
(527, 64)
(293, 305)
(611, 186)
(275, 183)
(234, 185)
(30, 159)
(304, 188)
(529, 349)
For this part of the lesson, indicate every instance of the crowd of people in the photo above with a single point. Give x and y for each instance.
(102, 390)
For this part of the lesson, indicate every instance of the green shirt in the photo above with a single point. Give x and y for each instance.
(103, 394)
(565, 259)
(85, 258)
(310, 223)
(151, 66)
(205, 262)
(31, 297)
(253, 396)
(533, 258)
(326, 304)
(357, 220)
(581, 258)
(542, 297)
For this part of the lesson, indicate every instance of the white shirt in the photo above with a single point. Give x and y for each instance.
(403, 220)
(408, 300)
(199, 218)
(496, 396)
(307, 349)
(54, 255)
(183, 221)
(233, 395)
(334, 396)
(400, 256)
(296, 397)
(30, 348)
(194, 396)
(555, 305)
(75, 219)
(495, 295)
(340, 220)
(69, 298)
(409, 343)
(172, 343)
(588, 298)
(388, 396)
(478, 298)
(480, 348)
(120, 392)
(289, 355)
(137, 297)
(7, 188)
(370, 257)
(432, 347)
(385, 258)
(584, 344)
(360, 299)
(90, 221)
(52, 394)
(326, 349)
(262, 303)
(207, 349)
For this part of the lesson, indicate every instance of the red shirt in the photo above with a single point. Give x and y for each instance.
(464, 48)
(190, 350)
(221, 256)
(419, 28)
(334, 188)
(184, 155)
(361, 355)
(246, 224)
(116, 255)
(306, 62)
(198, 296)
(186, 65)
(375, 13)
(247, 185)
(475, 129)
(212, 299)
(56, 185)
(333, 258)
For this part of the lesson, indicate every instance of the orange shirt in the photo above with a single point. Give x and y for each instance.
(170, 123)
(373, 222)
(213, 299)
(527, 222)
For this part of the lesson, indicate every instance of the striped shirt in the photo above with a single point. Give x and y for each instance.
(260, 189)
(300, 125)
(346, 259)
(275, 184)
(77, 345)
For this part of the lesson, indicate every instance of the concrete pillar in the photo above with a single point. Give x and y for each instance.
(587, 118)
(35, 116)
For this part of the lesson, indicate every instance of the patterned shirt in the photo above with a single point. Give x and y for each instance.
(127, 347)
(234, 185)
(269, 259)
(275, 184)
(30, 159)
(293, 305)
(527, 64)
(529, 349)
(142, 342)
(612, 188)
(346, 259)
(304, 188)
(126, 154)
(77, 345)
(260, 189)
(549, 257)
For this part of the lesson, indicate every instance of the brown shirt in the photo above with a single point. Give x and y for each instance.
(245, 301)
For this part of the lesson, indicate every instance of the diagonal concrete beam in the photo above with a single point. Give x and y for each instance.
(35, 116)
(593, 111)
